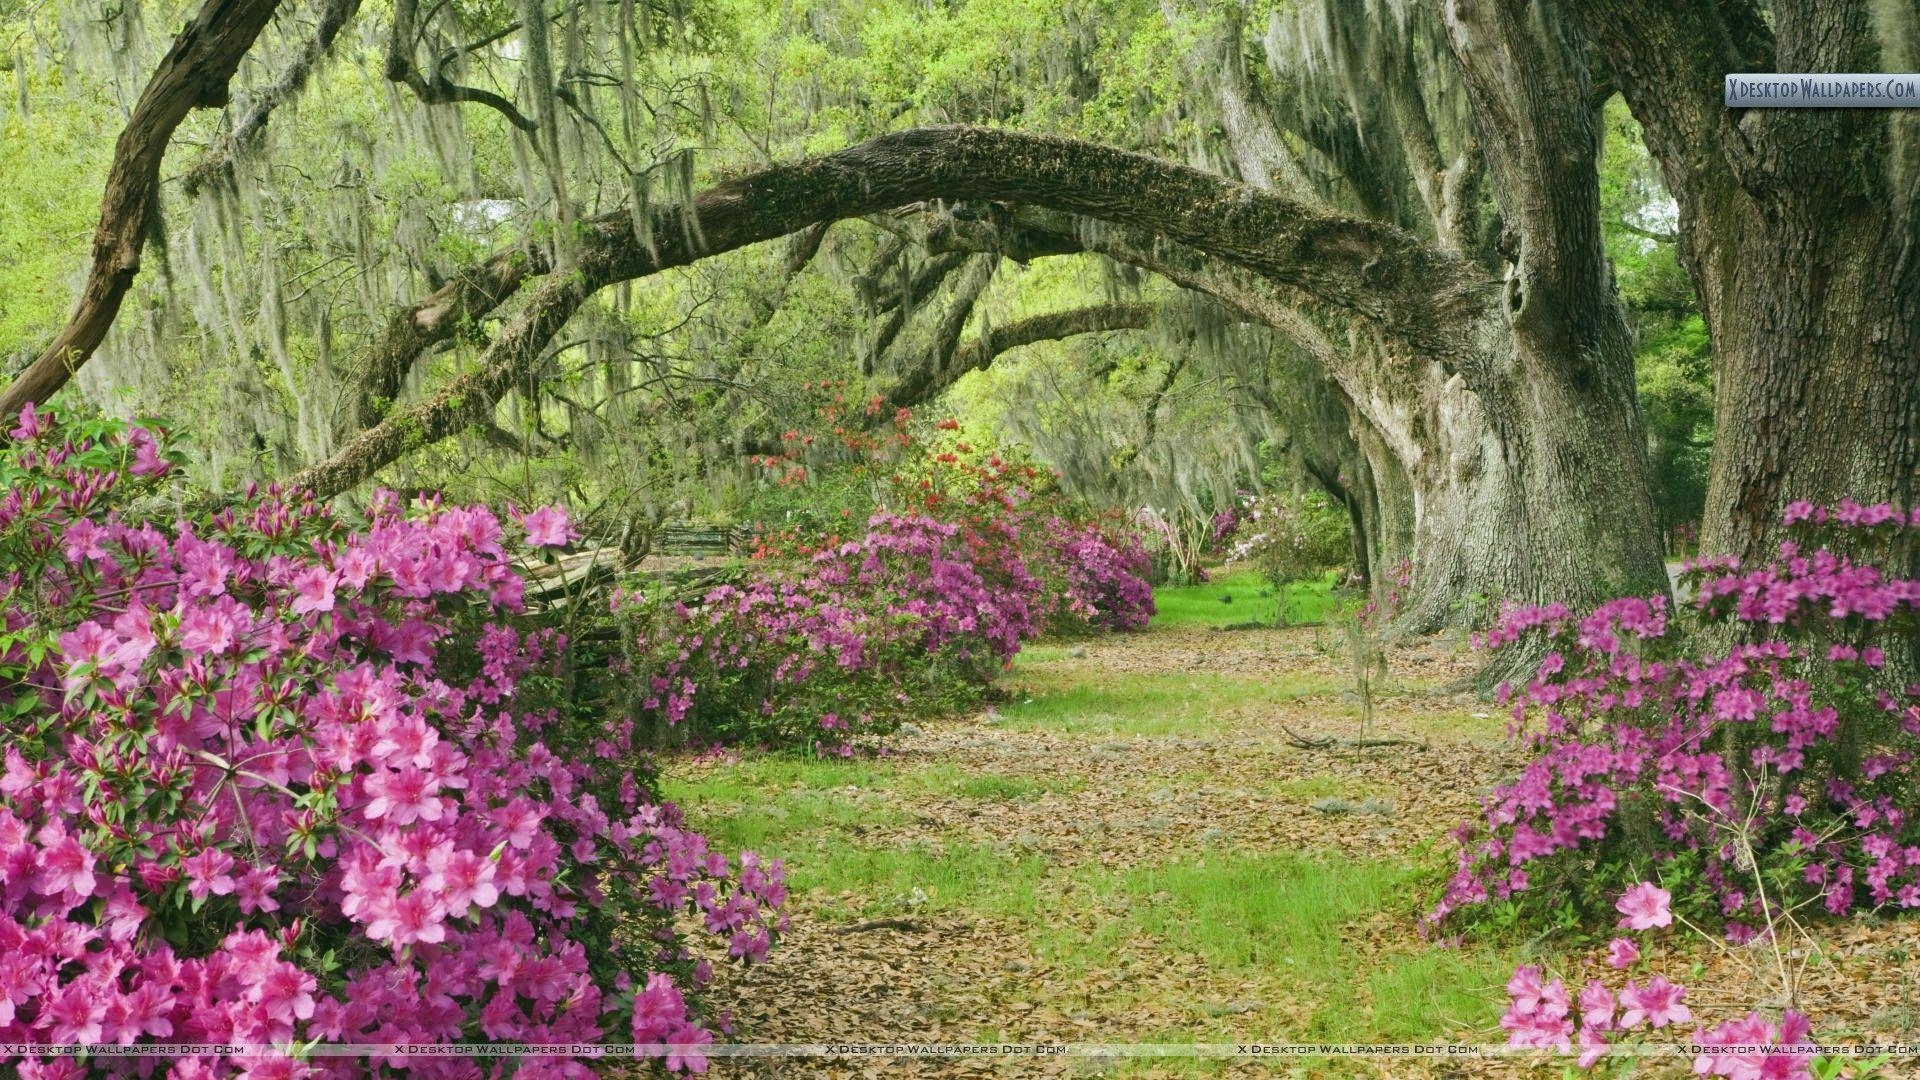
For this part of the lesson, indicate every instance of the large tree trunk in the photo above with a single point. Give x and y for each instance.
(1801, 229)
(1528, 489)
(1510, 466)
(1817, 338)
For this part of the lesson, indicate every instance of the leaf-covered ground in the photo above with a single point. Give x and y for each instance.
(1129, 848)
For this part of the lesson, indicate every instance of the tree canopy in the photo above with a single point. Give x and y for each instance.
(1454, 264)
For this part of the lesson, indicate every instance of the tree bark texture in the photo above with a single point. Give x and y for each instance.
(1801, 230)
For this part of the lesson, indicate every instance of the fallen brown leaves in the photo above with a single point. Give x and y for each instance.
(1121, 801)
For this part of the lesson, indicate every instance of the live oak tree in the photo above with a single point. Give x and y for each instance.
(1406, 193)
(1801, 230)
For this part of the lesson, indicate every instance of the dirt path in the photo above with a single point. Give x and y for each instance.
(1022, 874)
(1129, 848)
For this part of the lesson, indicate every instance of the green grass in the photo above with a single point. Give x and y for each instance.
(1002, 788)
(1278, 912)
(954, 874)
(1146, 705)
(780, 806)
(1278, 933)
(1241, 597)
(819, 816)
(1281, 922)
(1424, 994)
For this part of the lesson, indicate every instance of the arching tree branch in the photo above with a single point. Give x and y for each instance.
(1411, 291)
(470, 294)
(928, 381)
(194, 74)
(439, 90)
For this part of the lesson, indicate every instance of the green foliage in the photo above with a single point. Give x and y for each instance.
(1673, 363)
(1675, 375)
(1148, 705)
(1243, 597)
(1291, 537)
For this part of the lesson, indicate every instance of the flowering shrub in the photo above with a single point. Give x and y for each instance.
(1226, 523)
(1081, 571)
(1290, 537)
(968, 554)
(848, 641)
(1787, 754)
(271, 779)
(1099, 581)
(1546, 1015)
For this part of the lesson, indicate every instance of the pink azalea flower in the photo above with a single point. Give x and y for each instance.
(255, 891)
(208, 873)
(64, 868)
(547, 527)
(286, 993)
(1645, 906)
(1593, 1046)
(1657, 1004)
(1622, 953)
(413, 917)
(403, 797)
(658, 1009)
(313, 590)
(1525, 988)
(683, 1049)
(77, 1012)
(31, 424)
(463, 879)
(1596, 1006)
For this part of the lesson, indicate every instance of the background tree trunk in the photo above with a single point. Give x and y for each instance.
(1801, 230)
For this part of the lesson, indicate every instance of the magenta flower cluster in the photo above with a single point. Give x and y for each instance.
(1544, 1014)
(916, 616)
(1101, 579)
(1793, 747)
(269, 779)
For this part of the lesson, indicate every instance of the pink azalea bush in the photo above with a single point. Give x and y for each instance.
(1545, 1014)
(1790, 747)
(844, 643)
(912, 618)
(831, 637)
(269, 778)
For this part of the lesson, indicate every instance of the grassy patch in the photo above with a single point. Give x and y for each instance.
(1147, 705)
(1002, 788)
(1241, 597)
(783, 807)
(1434, 992)
(825, 818)
(1276, 912)
(925, 877)
(1289, 929)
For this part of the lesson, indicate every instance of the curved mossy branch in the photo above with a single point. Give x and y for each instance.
(465, 298)
(928, 381)
(1373, 269)
(953, 323)
(899, 303)
(1412, 292)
